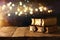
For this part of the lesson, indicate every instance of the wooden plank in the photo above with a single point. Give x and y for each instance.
(7, 31)
(20, 32)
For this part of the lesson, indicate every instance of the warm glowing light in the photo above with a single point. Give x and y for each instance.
(25, 10)
(20, 3)
(31, 12)
(45, 8)
(24, 5)
(18, 9)
(9, 14)
(36, 9)
(16, 13)
(10, 8)
(20, 13)
(41, 8)
(13, 5)
(31, 9)
(8, 4)
(49, 11)
(3, 7)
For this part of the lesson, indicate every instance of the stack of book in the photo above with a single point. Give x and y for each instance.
(46, 25)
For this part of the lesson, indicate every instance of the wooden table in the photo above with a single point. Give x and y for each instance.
(12, 31)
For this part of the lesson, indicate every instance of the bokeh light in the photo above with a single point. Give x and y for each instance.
(36, 9)
(20, 3)
(9, 14)
(13, 5)
(31, 12)
(16, 13)
(49, 11)
(20, 13)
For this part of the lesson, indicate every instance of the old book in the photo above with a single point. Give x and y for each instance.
(51, 29)
(44, 22)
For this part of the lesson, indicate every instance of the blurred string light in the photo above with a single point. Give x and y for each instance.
(36, 9)
(8, 4)
(20, 13)
(23, 8)
(31, 12)
(41, 9)
(13, 5)
(49, 11)
(10, 7)
(20, 3)
(18, 9)
(16, 13)
(3, 7)
(31, 9)
(9, 14)
(45, 8)
(24, 5)
(26, 9)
